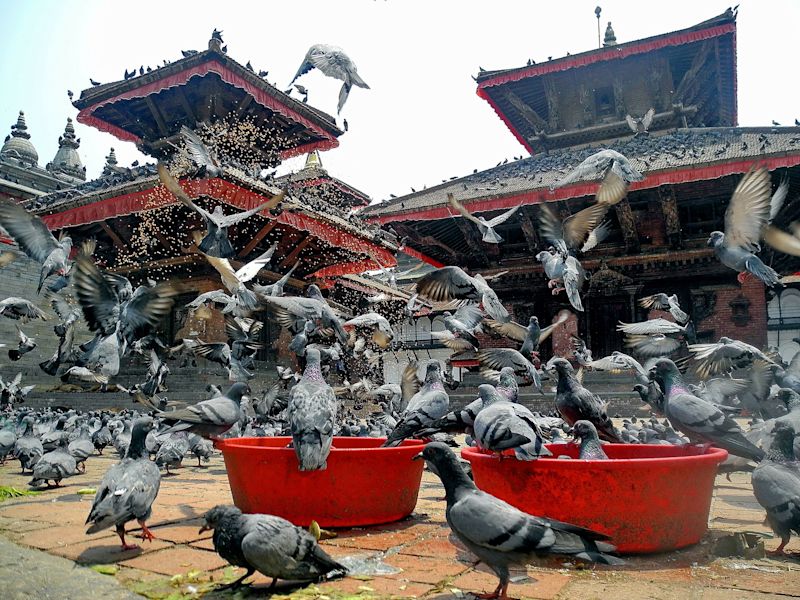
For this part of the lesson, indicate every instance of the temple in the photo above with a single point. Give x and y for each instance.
(142, 231)
(691, 152)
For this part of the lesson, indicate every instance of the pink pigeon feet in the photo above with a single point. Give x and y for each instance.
(743, 277)
(500, 593)
(121, 534)
(146, 533)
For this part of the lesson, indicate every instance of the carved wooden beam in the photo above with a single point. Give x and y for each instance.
(187, 108)
(120, 245)
(528, 114)
(257, 238)
(672, 221)
(183, 259)
(162, 127)
(290, 258)
(628, 224)
(690, 79)
(243, 105)
(474, 241)
(528, 225)
(425, 241)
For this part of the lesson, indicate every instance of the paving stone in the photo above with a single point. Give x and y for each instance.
(425, 570)
(440, 548)
(53, 537)
(106, 550)
(182, 533)
(178, 559)
(540, 585)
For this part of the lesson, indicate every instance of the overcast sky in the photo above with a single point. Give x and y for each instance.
(420, 123)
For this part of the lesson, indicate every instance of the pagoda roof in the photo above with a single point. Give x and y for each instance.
(124, 192)
(678, 156)
(505, 88)
(150, 108)
(315, 177)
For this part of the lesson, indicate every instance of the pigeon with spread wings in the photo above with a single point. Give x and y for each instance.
(215, 243)
(333, 62)
(452, 283)
(486, 228)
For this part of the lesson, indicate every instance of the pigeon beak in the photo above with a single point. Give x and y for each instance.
(204, 528)
(418, 456)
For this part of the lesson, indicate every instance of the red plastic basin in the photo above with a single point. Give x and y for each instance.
(648, 498)
(364, 484)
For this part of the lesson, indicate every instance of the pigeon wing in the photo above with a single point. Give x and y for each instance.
(176, 190)
(232, 219)
(95, 295)
(29, 231)
(463, 211)
(545, 332)
(447, 283)
(512, 329)
(748, 210)
(578, 226)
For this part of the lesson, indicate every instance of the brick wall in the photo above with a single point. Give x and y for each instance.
(755, 330)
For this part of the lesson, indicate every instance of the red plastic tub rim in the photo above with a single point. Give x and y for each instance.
(340, 444)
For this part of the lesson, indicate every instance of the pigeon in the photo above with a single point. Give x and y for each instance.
(128, 489)
(698, 419)
(55, 465)
(489, 235)
(501, 535)
(35, 240)
(530, 336)
(427, 405)
(502, 425)
(590, 446)
(19, 308)
(747, 214)
(382, 333)
(641, 125)
(26, 344)
(102, 437)
(599, 165)
(459, 328)
(776, 485)
(215, 243)
(275, 289)
(561, 267)
(207, 163)
(663, 302)
(200, 447)
(217, 297)
(619, 361)
(65, 330)
(208, 418)
(333, 62)
(28, 448)
(172, 450)
(653, 327)
(300, 341)
(314, 307)
(724, 355)
(576, 403)
(267, 544)
(311, 415)
(156, 372)
(497, 358)
(452, 283)
(81, 448)
(8, 440)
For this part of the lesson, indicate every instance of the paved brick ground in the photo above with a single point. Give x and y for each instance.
(419, 549)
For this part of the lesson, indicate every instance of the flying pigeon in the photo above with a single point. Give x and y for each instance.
(489, 235)
(215, 243)
(501, 535)
(497, 358)
(530, 336)
(19, 308)
(452, 283)
(333, 62)
(747, 214)
(35, 240)
(663, 302)
(267, 544)
(208, 418)
(599, 165)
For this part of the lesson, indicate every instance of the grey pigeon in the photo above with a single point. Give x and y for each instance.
(267, 544)
(530, 336)
(102, 437)
(200, 447)
(275, 289)
(489, 235)
(430, 403)
(128, 489)
(561, 267)
(65, 330)
(701, 421)
(208, 164)
(35, 240)
(776, 485)
(726, 354)
(745, 218)
(576, 403)
(312, 414)
(599, 165)
(81, 448)
(314, 307)
(20, 308)
(459, 328)
(300, 341)
(452, 283)
(590, 446)
(8, 440)
(378, 325)
(215, 243)
(501, 535)
(619, 361)
(25, 345)
(663, 302)
(333, 62)
(497, 358)
(209, 418)
(172, 450)
(28, 449)
(55, 465)
(502, 425)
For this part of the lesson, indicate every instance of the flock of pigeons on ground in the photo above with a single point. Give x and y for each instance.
(729, 376)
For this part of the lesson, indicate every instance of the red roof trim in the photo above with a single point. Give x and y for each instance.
(520, 138)
(611, 53)
(87, 117)
(351, 268)
(540, 195)
(420, 256)
(223, 191)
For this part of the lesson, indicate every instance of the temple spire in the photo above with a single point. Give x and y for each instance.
(610, 39)
(67, 161)
(18, 145)
(313, 160)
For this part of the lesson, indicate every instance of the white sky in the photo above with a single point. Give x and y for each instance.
(420, 123)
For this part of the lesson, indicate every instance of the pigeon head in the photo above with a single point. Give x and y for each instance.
(445, 464)
(782, 447)
(433, 371)
(507, 377)
(716, 239)
(533, 320)
(543, 256)
(662, 369)
(237, 390)
(488, 393)
(584, 430)
(313, 292)
(560, 365)
(790, 398)
(215, 516)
